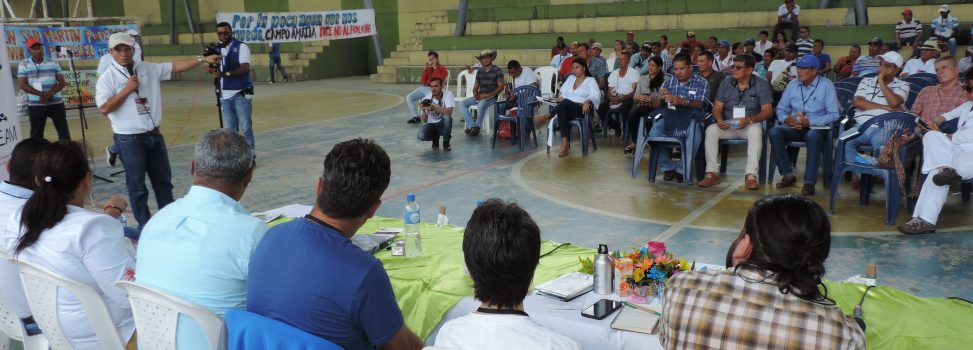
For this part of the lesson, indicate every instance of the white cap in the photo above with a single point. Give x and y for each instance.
(120, 38)
(133, 32)
(944, 8)
(892, 57)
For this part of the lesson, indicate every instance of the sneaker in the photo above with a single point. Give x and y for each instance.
(110, 156)
(946, 177)
(709, 180)
(917, 226)
(413, 120)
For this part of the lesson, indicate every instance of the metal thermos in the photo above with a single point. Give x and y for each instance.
(603, 271)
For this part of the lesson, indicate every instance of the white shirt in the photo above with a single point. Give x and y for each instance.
(88, 248)
(965, 64)
(762, 46)
(782, 11)
(623, 85)
(526, 77)
(587, 91)
(916, 65)
(558, 59)
(244, 57)
(478, 331)
(12, 197)
(778, 66)
(447, 102)
(870, 90)
(131, 117)
(964, 132)
(723, 64)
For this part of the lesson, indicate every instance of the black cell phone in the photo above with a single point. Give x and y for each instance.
(922, 123)
(601, 309)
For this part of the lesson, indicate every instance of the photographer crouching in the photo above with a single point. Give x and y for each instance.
(235, 84)
(436, 114)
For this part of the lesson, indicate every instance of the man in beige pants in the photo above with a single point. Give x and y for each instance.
(742, 103)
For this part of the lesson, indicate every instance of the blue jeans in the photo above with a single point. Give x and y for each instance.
(132, 233)
(869, 137)
(481, 108)
(432, 131)
(415, 96)
(781, 134)
(665, 162)
(275, 61)
(236, 116)
(145, 154)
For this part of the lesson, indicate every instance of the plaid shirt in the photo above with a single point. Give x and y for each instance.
(934, 101)
(696, 89)
(745, 310)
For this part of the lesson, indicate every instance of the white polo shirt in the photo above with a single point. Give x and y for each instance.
(134, 116)
(916, 65)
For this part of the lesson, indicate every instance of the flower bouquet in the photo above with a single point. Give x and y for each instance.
(642, 274)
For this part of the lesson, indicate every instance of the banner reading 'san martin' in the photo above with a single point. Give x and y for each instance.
(87, 43)
(261, 27)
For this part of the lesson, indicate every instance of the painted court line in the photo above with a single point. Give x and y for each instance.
(679, 226)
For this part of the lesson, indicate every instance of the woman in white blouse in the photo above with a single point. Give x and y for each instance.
(579, 94)
(54, 231)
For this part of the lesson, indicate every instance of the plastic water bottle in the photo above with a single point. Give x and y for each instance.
(865, 159)
(603, 271)
(123, 220)
(410, 216)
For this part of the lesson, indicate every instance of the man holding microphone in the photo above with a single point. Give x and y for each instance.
(129, 92)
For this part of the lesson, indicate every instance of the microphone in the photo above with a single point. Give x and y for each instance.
(131, 69)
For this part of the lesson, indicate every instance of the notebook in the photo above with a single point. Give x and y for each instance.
(635, 320)
(567, 287)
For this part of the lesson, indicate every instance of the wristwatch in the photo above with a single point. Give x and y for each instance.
(199, 60)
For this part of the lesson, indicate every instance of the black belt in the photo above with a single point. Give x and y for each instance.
(155, 131)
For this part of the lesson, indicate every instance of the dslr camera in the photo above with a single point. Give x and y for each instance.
(425, 102)
(212, 49)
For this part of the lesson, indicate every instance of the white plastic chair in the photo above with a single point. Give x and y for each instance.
(157, 313)
(41, 287)
(446, 81)
(464, 85)
(10, 326)
(546, 76)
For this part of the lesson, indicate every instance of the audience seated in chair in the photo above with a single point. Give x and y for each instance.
(925, 63)
(867, 65)
(500, 283)
(708, 71)
(580, 95)
(308, 274)
(647, 98)
(844, 65)
(807, 108)
(685, 89)
(877, 95)
(771, 295)
(936, 100)
(437, 116)
(199, 247)
(621, 89)
(54, 231)
(742, 104)
(947, 158)
(489, 83)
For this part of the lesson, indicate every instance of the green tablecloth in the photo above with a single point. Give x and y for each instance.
(897, 320)
(427, 286)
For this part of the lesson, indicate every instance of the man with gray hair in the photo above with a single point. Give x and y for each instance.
(199, 247)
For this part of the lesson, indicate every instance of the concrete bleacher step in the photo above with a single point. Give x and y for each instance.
(385, 78)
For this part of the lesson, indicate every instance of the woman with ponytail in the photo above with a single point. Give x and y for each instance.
(54, 231)
(770, 295)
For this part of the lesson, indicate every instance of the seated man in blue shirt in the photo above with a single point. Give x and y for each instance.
(686, 90)
(199, 247)
(805, 112)
(308, 274)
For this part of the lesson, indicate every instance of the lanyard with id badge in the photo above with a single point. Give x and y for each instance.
(740, 110)
(141, 103)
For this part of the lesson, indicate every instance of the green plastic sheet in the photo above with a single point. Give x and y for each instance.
(898, 320)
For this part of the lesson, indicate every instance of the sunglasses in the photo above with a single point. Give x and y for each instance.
(968, 89)
(223, 33)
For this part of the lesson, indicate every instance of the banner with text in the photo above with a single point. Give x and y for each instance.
(87, 43)
(87, 79)
(9, 121)
(261, 27)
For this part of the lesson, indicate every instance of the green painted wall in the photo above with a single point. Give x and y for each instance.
(108, 8)
(266, 6)
(181, 12)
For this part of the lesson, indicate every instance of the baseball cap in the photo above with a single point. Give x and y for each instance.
(133, 32)
(690, 33)
(596, 45)
(930, 44)
(725, 43)
(876, 40)
(120, 38)
(891, 57)
(808, 61)
(31, 42)
(907, 11)
(944, 8)
(749, 41)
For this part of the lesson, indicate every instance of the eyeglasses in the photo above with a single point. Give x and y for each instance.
(735, 67)
(968, 89)
(224, 33)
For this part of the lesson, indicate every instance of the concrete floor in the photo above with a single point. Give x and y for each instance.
(583, 200)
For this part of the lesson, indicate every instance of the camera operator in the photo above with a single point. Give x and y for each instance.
(436, 113)
(235, 84)
(130, 93)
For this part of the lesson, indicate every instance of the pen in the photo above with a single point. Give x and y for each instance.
(641, 308)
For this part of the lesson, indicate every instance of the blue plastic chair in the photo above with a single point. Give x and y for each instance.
(793, 148)
(247, 330)
(888, 123)
(926, 79)
(585, 131)
(850, 80)
(526, 101)
(679, 127)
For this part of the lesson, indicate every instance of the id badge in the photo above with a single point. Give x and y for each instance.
(142, 106)
(739, 112)
(37, 85)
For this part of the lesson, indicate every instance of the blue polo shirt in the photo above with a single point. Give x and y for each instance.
(312, 277)
(818, 99)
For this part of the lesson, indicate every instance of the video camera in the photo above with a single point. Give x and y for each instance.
(212, 49)
(425, 102)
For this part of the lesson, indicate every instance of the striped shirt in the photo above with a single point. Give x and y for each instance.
(908, 30)
(743, 309)
(804, 46)
(40, 76)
